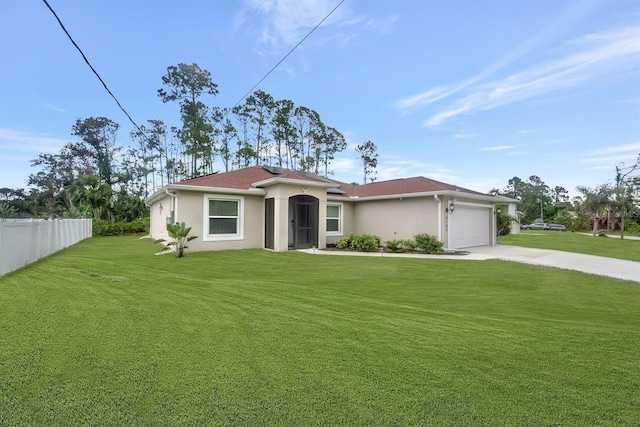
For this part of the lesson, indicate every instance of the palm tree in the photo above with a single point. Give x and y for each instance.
(596, 202)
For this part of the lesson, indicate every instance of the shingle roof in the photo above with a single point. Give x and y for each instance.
(244, 179)
(418, 184)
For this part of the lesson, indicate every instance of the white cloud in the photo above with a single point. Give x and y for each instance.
(625, 148)
(20, 141)
(594, 56)
(547, 33)
(288, 21)
(497, 148)
(464, 135)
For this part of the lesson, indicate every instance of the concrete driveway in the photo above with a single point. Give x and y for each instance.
(602, 266)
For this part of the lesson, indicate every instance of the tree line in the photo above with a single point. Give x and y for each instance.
(96, 176)
(604, 207)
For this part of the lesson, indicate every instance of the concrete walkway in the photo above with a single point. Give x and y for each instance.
(602, 266)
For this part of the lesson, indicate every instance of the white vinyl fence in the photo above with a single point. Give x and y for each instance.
(24, 241)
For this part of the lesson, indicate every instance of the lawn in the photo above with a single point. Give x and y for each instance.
(106, 333)
(611, 247)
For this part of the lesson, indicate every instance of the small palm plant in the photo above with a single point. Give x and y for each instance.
(7, 211)
(179, 232)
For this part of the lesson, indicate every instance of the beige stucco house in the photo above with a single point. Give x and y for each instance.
(279, 209)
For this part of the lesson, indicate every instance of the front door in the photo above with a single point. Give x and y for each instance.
(303, 216)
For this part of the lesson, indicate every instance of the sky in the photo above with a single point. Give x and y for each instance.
(469, 92)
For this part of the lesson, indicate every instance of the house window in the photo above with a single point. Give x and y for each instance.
(223, 218)
(334, 220)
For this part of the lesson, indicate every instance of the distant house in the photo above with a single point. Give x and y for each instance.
(279, 209)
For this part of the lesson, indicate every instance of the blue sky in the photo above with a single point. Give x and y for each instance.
(470, 92)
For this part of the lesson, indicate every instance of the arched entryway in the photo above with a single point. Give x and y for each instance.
(303, 222)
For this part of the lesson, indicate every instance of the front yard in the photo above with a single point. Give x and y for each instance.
(106, 333)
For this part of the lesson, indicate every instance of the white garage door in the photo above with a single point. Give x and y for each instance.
(469, 226)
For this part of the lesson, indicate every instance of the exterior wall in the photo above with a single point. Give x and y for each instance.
(191, 211)
(160, 212)
(405, 217)
(347, 220)
(512, 210)
(281, 194)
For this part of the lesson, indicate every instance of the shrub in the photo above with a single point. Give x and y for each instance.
(179, 233)
(394, 245)
(631, 226)
(359, 242)
(408, 244)
(103, 227)
(344, 242)
(428, 243)
(365, 242)
(7, 211)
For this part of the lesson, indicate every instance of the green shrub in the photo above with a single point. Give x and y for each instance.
(103, 227)
(359, 242)
(428, 243)
(179, 233)
(365, 242)
(344, 242)
(408, 244)
(394, 245)
(631, 227)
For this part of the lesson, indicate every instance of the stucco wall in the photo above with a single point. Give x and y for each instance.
(347, 219)
(191, 211)
(159, 212)
(406, 217)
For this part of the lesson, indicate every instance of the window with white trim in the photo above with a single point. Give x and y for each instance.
(223, 217)
(334, 219)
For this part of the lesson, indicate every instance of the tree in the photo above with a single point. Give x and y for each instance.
(259, 110)
(91, 193)
(369, 156)
(186, 83)
(596, 202)
(245, 152)
(335, 143)
(283, 131)
(98, 142)
(227, 133)
(305, 120)
(627, 187)
(534, 196)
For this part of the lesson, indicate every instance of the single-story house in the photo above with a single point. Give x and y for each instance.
(280, 209)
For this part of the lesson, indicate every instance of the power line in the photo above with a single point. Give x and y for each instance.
(91, 66)
(287, 55)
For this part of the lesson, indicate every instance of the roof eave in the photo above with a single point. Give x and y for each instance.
(446, 193)
(204, 189)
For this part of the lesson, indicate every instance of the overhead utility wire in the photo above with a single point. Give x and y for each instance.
(91, 66)
(287, 55)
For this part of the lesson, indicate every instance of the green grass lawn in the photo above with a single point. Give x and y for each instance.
(575, 242)
(106, 333)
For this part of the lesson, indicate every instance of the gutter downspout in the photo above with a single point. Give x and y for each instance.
(435, 196)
